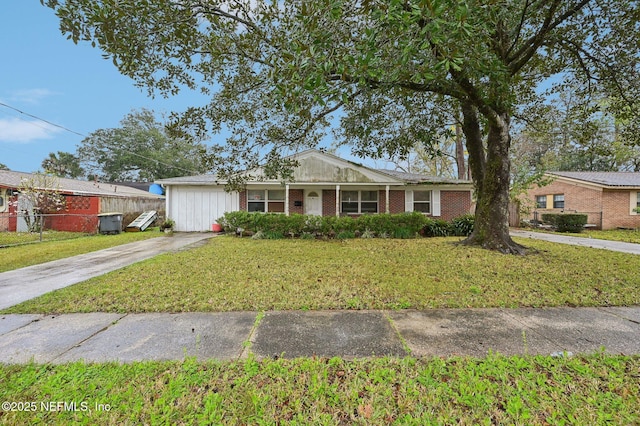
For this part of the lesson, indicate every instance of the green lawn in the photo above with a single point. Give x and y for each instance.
(627, 236)
(234, 274)
(585, 390)
(63, 244)
(17, 238)
(230, 274)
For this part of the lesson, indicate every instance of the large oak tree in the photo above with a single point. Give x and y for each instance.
(278, 70)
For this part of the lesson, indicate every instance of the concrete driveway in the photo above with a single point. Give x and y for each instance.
(579, 241)
(26, 283)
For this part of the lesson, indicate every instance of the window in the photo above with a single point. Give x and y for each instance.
(638, 202)
(558, 201)
(260, 200)
(354, 202)
(541, 201)
(422, 201)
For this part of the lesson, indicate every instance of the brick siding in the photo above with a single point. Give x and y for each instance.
(608, 209)
(328, 202)
(396, 201)
(616, 206)
(243, 201)
(296, 195)
(454, 204)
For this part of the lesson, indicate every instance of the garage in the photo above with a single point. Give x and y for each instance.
(194, 208)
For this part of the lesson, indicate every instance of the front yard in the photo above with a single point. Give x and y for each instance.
(231, 274)
(58, 246)
(242, 274)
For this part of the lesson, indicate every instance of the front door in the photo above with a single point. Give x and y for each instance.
(313, 202)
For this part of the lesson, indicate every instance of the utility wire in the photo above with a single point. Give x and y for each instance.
(42, 119)
(85, 136)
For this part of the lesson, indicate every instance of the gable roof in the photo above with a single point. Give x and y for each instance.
(11, 179)
(604, 179)
(319, 167)
(417, 178)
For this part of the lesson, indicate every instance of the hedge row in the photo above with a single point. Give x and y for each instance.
(565, 222)
(403, 225)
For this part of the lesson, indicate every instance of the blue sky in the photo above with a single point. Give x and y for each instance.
(73, 86)
(48, 76)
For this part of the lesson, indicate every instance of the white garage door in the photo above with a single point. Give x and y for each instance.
(196, 208)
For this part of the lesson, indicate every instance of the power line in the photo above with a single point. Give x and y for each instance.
(85, 136)
(42, 119)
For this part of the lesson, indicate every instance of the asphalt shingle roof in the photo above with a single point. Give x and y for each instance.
(11, 179)
(621, 179)
(419, 178)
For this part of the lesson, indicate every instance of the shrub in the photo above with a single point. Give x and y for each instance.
(403, 233)
(232, 221)
(343, 235)
(437, 228)
(566, 222)
(550, 219)
(571, 222)
(402, 225)
(462, 226)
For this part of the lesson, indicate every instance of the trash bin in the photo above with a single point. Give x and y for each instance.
(110, 223)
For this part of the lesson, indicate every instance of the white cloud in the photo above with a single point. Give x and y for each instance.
(16, 130)
(30, 96)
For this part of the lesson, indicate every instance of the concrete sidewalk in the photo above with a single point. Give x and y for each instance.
(26, 283)
(579, 241)
(100, 337)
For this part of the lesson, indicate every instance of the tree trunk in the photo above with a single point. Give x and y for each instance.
(490, 172)
(462, 169)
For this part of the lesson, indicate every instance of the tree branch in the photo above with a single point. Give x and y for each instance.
(529, 48)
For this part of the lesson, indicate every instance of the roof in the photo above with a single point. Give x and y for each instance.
(420, 178)
(317, 167)
(11, 179)
(605, 179)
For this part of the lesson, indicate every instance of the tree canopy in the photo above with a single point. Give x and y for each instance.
(278, 72)
(139, 150)
(63, 164)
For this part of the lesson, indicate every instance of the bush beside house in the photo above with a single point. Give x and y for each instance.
(566, 222)
(402, 225)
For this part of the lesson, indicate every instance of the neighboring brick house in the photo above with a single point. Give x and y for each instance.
(323, 184)
(609, 199)
(84, 200)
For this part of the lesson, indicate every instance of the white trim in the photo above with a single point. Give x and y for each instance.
(4, 202)
(286, 200)
(386, 197)
(435, 202)
(338, 204)
(359, 201)
(634, 197)
(408, 200)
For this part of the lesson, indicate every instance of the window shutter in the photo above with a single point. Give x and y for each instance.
(435, 200)
(408, 200)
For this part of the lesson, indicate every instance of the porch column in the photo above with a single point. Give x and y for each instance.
(338, 200)
(286, 199)
(386, 199)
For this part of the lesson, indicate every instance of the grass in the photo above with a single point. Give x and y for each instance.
(17, 238)
(231, 274)
(67, 244)
(627, 236)
(594, 389)
(237, 274)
